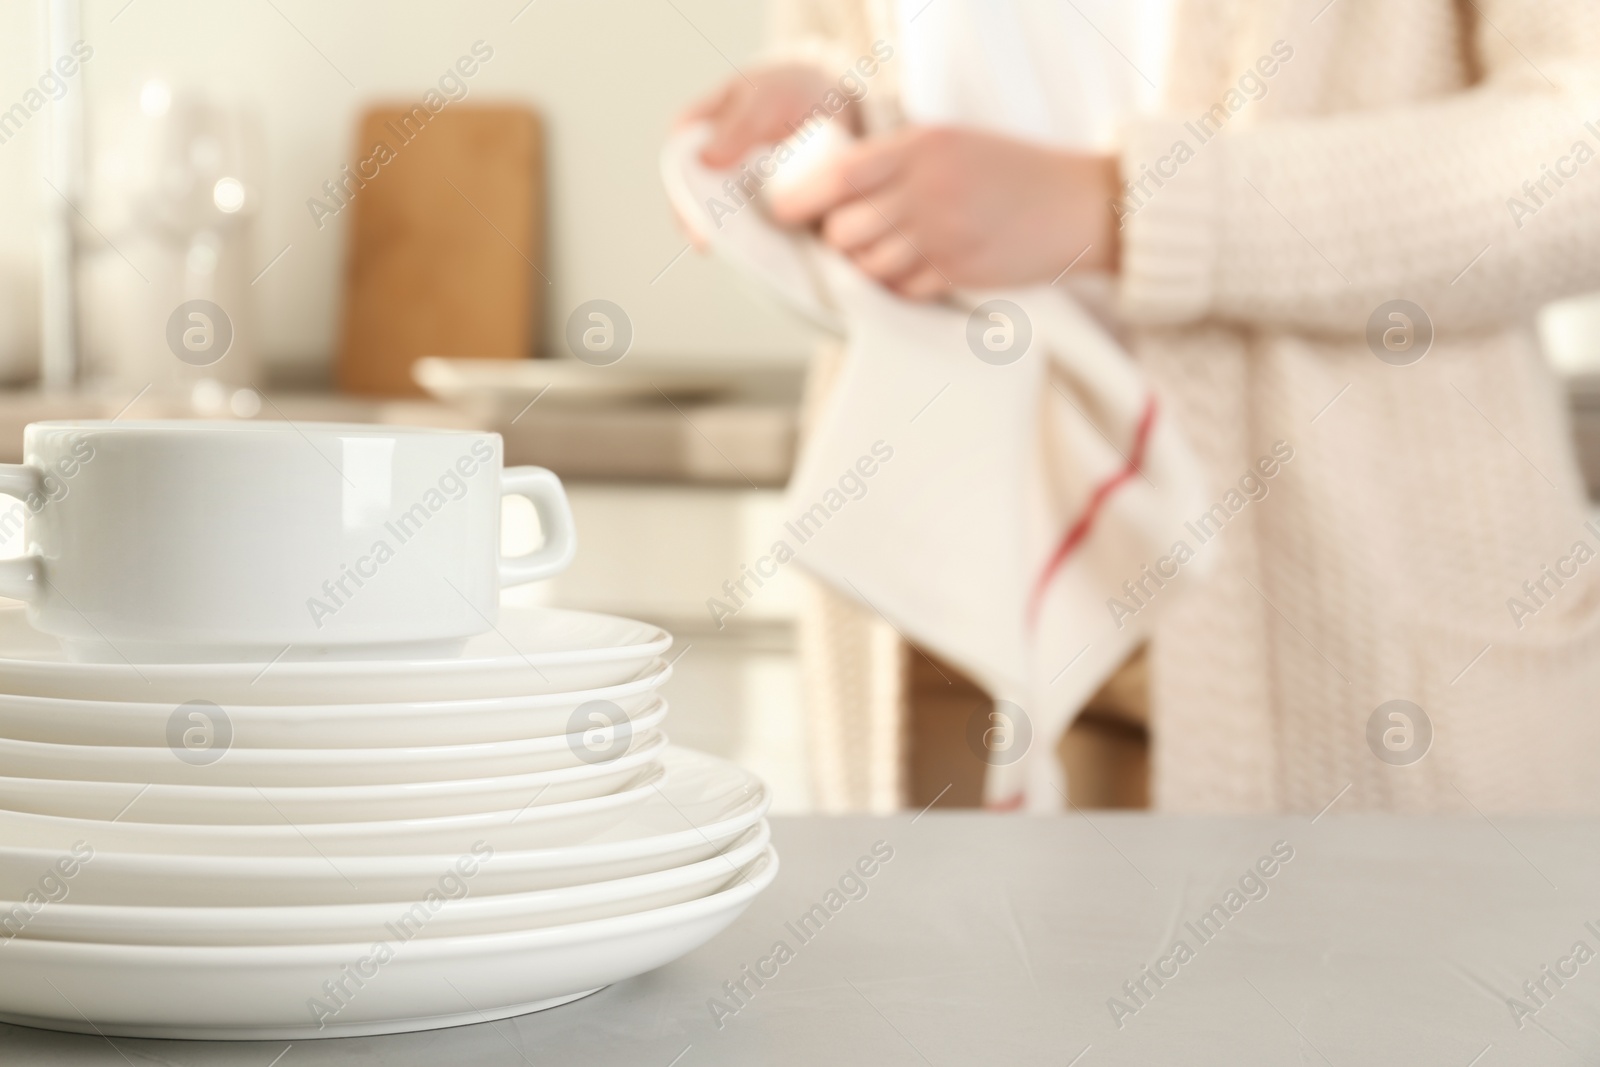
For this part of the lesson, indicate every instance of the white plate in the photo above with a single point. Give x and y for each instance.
(309, 767)
(505, 386)
(527, 826)
(266, 991)
(452, 909)
(703, 803)
(468, 721)
(131, 804)
(531, 651)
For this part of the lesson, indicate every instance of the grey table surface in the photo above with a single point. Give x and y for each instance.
(1005, 939)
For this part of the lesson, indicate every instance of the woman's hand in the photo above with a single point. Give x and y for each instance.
(764, 108)
(928, 208)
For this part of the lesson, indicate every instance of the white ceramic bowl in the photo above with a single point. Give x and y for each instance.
(317, 766)
(150, 538)
(531, 651)
(440, 722)
(453, 908)
(702, 804)
(527, 826)
(229, 805)
(267, 991)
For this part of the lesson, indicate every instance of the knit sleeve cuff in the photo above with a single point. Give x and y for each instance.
(1169, 217)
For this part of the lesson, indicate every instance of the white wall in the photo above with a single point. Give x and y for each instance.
(607, 75)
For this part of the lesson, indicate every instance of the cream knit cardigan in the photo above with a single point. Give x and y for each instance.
(1405, 150)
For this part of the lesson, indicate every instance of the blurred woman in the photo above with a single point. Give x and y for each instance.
(1328, 225)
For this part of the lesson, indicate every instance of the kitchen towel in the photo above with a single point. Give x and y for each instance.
(994, 478)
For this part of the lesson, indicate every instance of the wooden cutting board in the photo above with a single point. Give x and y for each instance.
(446, 242)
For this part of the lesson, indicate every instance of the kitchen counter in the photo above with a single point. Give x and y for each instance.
(733, 444)
(1017, 940)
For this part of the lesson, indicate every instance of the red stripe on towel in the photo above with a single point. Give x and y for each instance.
(1079, 531)
(1013, 802)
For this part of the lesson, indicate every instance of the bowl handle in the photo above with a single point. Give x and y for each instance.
(543, 488)
(22, 578)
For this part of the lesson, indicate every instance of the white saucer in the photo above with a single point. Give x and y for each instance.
(701, 805)
(319, 767)
(310, 726)
(527, 826)
(131, 804)
(531, 651)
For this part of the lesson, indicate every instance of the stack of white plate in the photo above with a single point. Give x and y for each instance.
(276, 762)
(245, 852)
